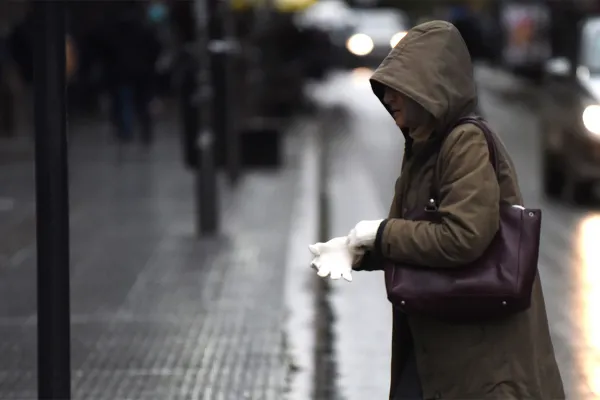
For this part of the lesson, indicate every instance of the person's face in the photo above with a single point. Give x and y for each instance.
(395, 101)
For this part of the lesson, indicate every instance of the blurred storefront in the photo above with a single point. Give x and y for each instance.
(526, 33)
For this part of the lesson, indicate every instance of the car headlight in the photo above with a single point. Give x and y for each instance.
(397, 38)
(591, 119)
(360, 44)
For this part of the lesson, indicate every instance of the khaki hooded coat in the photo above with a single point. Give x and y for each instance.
(511, 358)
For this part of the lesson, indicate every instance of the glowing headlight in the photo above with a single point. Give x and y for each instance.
(591, 119)
(360, 44)
(397, 38)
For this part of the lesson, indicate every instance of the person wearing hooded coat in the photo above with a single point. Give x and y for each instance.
(426, 83)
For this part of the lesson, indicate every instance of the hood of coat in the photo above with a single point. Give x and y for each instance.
(432, 66)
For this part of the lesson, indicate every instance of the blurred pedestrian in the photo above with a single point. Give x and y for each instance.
(469, 26)
(427, 85)
(7, 112)
(71, 59)
(159, 19)
(129, 52)
(20, 46)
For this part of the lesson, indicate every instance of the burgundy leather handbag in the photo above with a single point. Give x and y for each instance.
(496, 285)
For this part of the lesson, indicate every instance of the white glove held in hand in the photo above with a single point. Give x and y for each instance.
(363, 234)
(333, 258)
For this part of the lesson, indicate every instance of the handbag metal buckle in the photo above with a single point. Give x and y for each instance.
(431, 206)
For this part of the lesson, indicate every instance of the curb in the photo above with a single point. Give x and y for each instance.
(299, 296)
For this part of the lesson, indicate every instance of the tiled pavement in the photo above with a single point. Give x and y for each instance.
(156, 312)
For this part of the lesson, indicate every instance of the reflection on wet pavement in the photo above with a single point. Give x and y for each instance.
(587, 298)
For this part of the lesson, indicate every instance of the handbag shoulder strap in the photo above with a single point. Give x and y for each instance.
(491, 143)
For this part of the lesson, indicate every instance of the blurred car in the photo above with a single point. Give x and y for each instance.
(570, 118)
(375, 31)
(328, 15)
(324, 23)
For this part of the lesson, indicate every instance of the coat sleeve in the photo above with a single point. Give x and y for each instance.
(469, 203)
(367, 262)
(372, 261)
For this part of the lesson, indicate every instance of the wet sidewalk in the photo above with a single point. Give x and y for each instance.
(156, 312)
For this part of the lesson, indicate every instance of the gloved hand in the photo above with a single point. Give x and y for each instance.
(333, 258)
(362, 236)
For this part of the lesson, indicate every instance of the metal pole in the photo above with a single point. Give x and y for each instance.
(52, 202)
(222, 47)
(189, 108)
(206, 173)
(185, 20)
(234, 153)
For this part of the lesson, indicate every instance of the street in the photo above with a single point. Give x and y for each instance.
(157, 313)
(365, 152)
